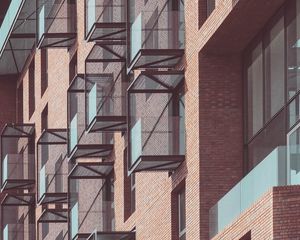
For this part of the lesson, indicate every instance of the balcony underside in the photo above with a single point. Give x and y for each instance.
(81, 236)
(107, 31)
(54, 216)
(233, 36)
(18, 199)
(108, 124)
(57, 40)
(91, 150)
(91, 170)
(54, 198)
(157, 163)
(112, 236)
(157, 58)
(17, 184)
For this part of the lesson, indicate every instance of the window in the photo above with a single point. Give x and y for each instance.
(20, 103)
(44, 70)
(247, 236)
(31, 76)
(255, 90)
(274, 69)
(181, 215)
(211, 4)
(45, 230)
(73, 67)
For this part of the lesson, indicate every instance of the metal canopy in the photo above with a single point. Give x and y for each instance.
(18, 199)
(53, 198)
(17, 183)
(91, 150)
(18, 130)
(91, 170)
(105, 20)
(53, 136)
(112, 236)
(17, 36)
(54, 216)
(156, 82)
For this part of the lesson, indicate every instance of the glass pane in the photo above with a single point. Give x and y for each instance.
(274, 71)
(294, 157)
(182, 222)
(74, 220)
(5, 169)
(136, 36)
(41, 22)
(42, 181)
(73, 132)
(5, 233)
(93, 103)
(293, 49)
(136, 141)
(91, 13)
(255, 91)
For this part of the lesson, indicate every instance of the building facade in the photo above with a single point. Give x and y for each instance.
(147, 120)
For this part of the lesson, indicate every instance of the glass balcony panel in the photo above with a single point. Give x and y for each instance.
(42, 22)
(74, 221)
(73, 132)
(105, 20)
(5, 169)
(136, 141)
(270, 172)
(42, 182)
(92, 103)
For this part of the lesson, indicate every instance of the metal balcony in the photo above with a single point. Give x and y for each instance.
(52, 166)
(106, 86)
(105, 20)
(91, 204)
(17, 157)
(17, 36)
(18, 216)
(56, 23)
(80, 143)
(156, 125)
(156, 35)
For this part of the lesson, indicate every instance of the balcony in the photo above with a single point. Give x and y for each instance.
(112, 235)
(156, 121)
(91, 203)
(275, 170)
(105, 20)
(17, 36)
(56, 24)
(80, 143)
(17, 156)
(106, 86)
(53, 167)
(18, 216)
(157, 36)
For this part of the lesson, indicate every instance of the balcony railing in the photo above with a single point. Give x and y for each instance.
(105, 20)
(17, 36)
(17, 157)
(56, 23)
(157, 36)
(83, 144)
(97, 210)
(275, 170)
(156, 122)
(18, 232)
